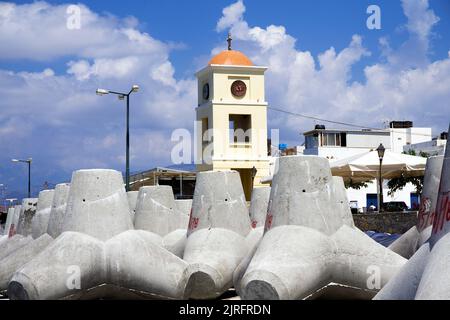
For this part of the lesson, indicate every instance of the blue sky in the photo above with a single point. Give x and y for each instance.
(322, 61)
(316, 24)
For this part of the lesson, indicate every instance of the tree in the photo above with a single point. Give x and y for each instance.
(399, 183)
(356, 185)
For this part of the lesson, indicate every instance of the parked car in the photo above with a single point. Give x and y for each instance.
(354, 206)
(395, 206)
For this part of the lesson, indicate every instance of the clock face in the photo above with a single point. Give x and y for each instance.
(206, 91)
(238, 88)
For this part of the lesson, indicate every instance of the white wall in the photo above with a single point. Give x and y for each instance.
(368, 140)
(360, 195)
(434, 148)
(337, 153)
(402, 137)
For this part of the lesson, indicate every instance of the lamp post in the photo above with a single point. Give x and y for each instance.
(254, 171)
(381, 149)
(28, 161)
(122, 96)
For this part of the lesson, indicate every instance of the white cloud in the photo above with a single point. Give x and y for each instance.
(231, 16)
(164, 73)
(413, 52)
(420, 18)
(407, 86)
(58, 118)
(38, 31)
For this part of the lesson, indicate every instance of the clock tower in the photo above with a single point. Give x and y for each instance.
(232, 118)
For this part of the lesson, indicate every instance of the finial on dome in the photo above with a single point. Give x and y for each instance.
(229, 39)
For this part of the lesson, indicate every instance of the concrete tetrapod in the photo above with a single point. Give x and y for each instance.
(415, 237)
(40, 220)
(9, 221)
(3, 239)
(137, 261)
(58, 209)
(27, 212)
(217, 232)
(132, 201)
(157, 212)
(24, 254)
(73, 259)
(175, 241)
(310, 240)
(12, 262)
(185, 206)
(340, 195)
(258, 206)
(426, 276)
(77, 263)
(13, 243)
(97, 204)
(258, 211)
(15, 222)
(10, 246)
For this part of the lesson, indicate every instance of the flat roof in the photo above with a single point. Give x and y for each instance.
(368, 131)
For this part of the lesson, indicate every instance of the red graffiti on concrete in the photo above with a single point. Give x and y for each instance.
(425, 215)
(269, 220)
(442, 212)
(12, 231)
(193, 222)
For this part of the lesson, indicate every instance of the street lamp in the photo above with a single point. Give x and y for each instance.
(381, 149)
(122, 96)
(254, 171)
(29, 160)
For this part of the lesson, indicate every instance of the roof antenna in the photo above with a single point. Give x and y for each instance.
(229, 39)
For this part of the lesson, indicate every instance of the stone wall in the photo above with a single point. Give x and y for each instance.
(389, 222)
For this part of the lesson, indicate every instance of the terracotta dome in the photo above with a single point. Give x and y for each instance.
(231, 57)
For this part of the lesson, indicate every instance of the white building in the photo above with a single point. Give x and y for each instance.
(339, 144)
(434, 147)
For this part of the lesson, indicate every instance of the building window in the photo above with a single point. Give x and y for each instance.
(343, 139)
(240, 126)
(334, 139)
